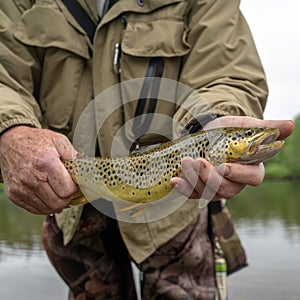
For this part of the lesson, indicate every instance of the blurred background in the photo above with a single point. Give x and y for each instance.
(275, 28)
(267, 217)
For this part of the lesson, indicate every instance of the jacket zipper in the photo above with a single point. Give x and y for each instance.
(148, 96)
(149, 90)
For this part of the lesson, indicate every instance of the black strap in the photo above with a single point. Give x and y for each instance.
(149, 93)
(82, 18)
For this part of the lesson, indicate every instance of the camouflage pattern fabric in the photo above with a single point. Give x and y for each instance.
(225, 232)
(183, 268)
(95, 264)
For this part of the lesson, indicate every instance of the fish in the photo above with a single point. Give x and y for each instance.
(144, 177)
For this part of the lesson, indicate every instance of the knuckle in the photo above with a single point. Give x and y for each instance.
(257, 181)
(63, 138)
(42, 161)
(60, 139)
(43, 168)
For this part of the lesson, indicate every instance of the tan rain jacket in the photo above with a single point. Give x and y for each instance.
(49, 72)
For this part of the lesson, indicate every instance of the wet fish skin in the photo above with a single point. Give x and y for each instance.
(145, 177)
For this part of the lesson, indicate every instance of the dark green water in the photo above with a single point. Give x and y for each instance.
(267, 219)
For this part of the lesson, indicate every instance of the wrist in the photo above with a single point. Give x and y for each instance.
(15, 129)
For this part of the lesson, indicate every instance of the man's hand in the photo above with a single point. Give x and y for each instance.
(34, 177)
(228, 179)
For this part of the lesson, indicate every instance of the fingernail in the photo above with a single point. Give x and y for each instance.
(223, 170)
(174, 182)
(176, 187)
(202, 166)
(186, 161)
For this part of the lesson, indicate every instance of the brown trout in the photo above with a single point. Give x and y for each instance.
(145, 177)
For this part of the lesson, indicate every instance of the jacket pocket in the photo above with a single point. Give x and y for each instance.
(44, 25)
(144, 39)
(166, 38)
(64, 54)
(147, 45)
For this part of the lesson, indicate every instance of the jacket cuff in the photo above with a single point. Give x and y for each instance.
(199, 122)
(18, 122)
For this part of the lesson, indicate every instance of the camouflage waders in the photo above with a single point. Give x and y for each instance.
(95, 264)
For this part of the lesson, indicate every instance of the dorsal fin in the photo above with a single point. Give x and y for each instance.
(144, 149)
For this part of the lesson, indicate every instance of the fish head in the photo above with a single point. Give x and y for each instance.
(251, 145)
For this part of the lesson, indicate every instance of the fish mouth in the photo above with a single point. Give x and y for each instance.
(264, 146)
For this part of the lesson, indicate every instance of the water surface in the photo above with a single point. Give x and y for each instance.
(268, 222)
(267, 219)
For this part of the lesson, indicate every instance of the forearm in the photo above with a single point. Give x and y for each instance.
(19, 74)
(15, 110)
(223, 65)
